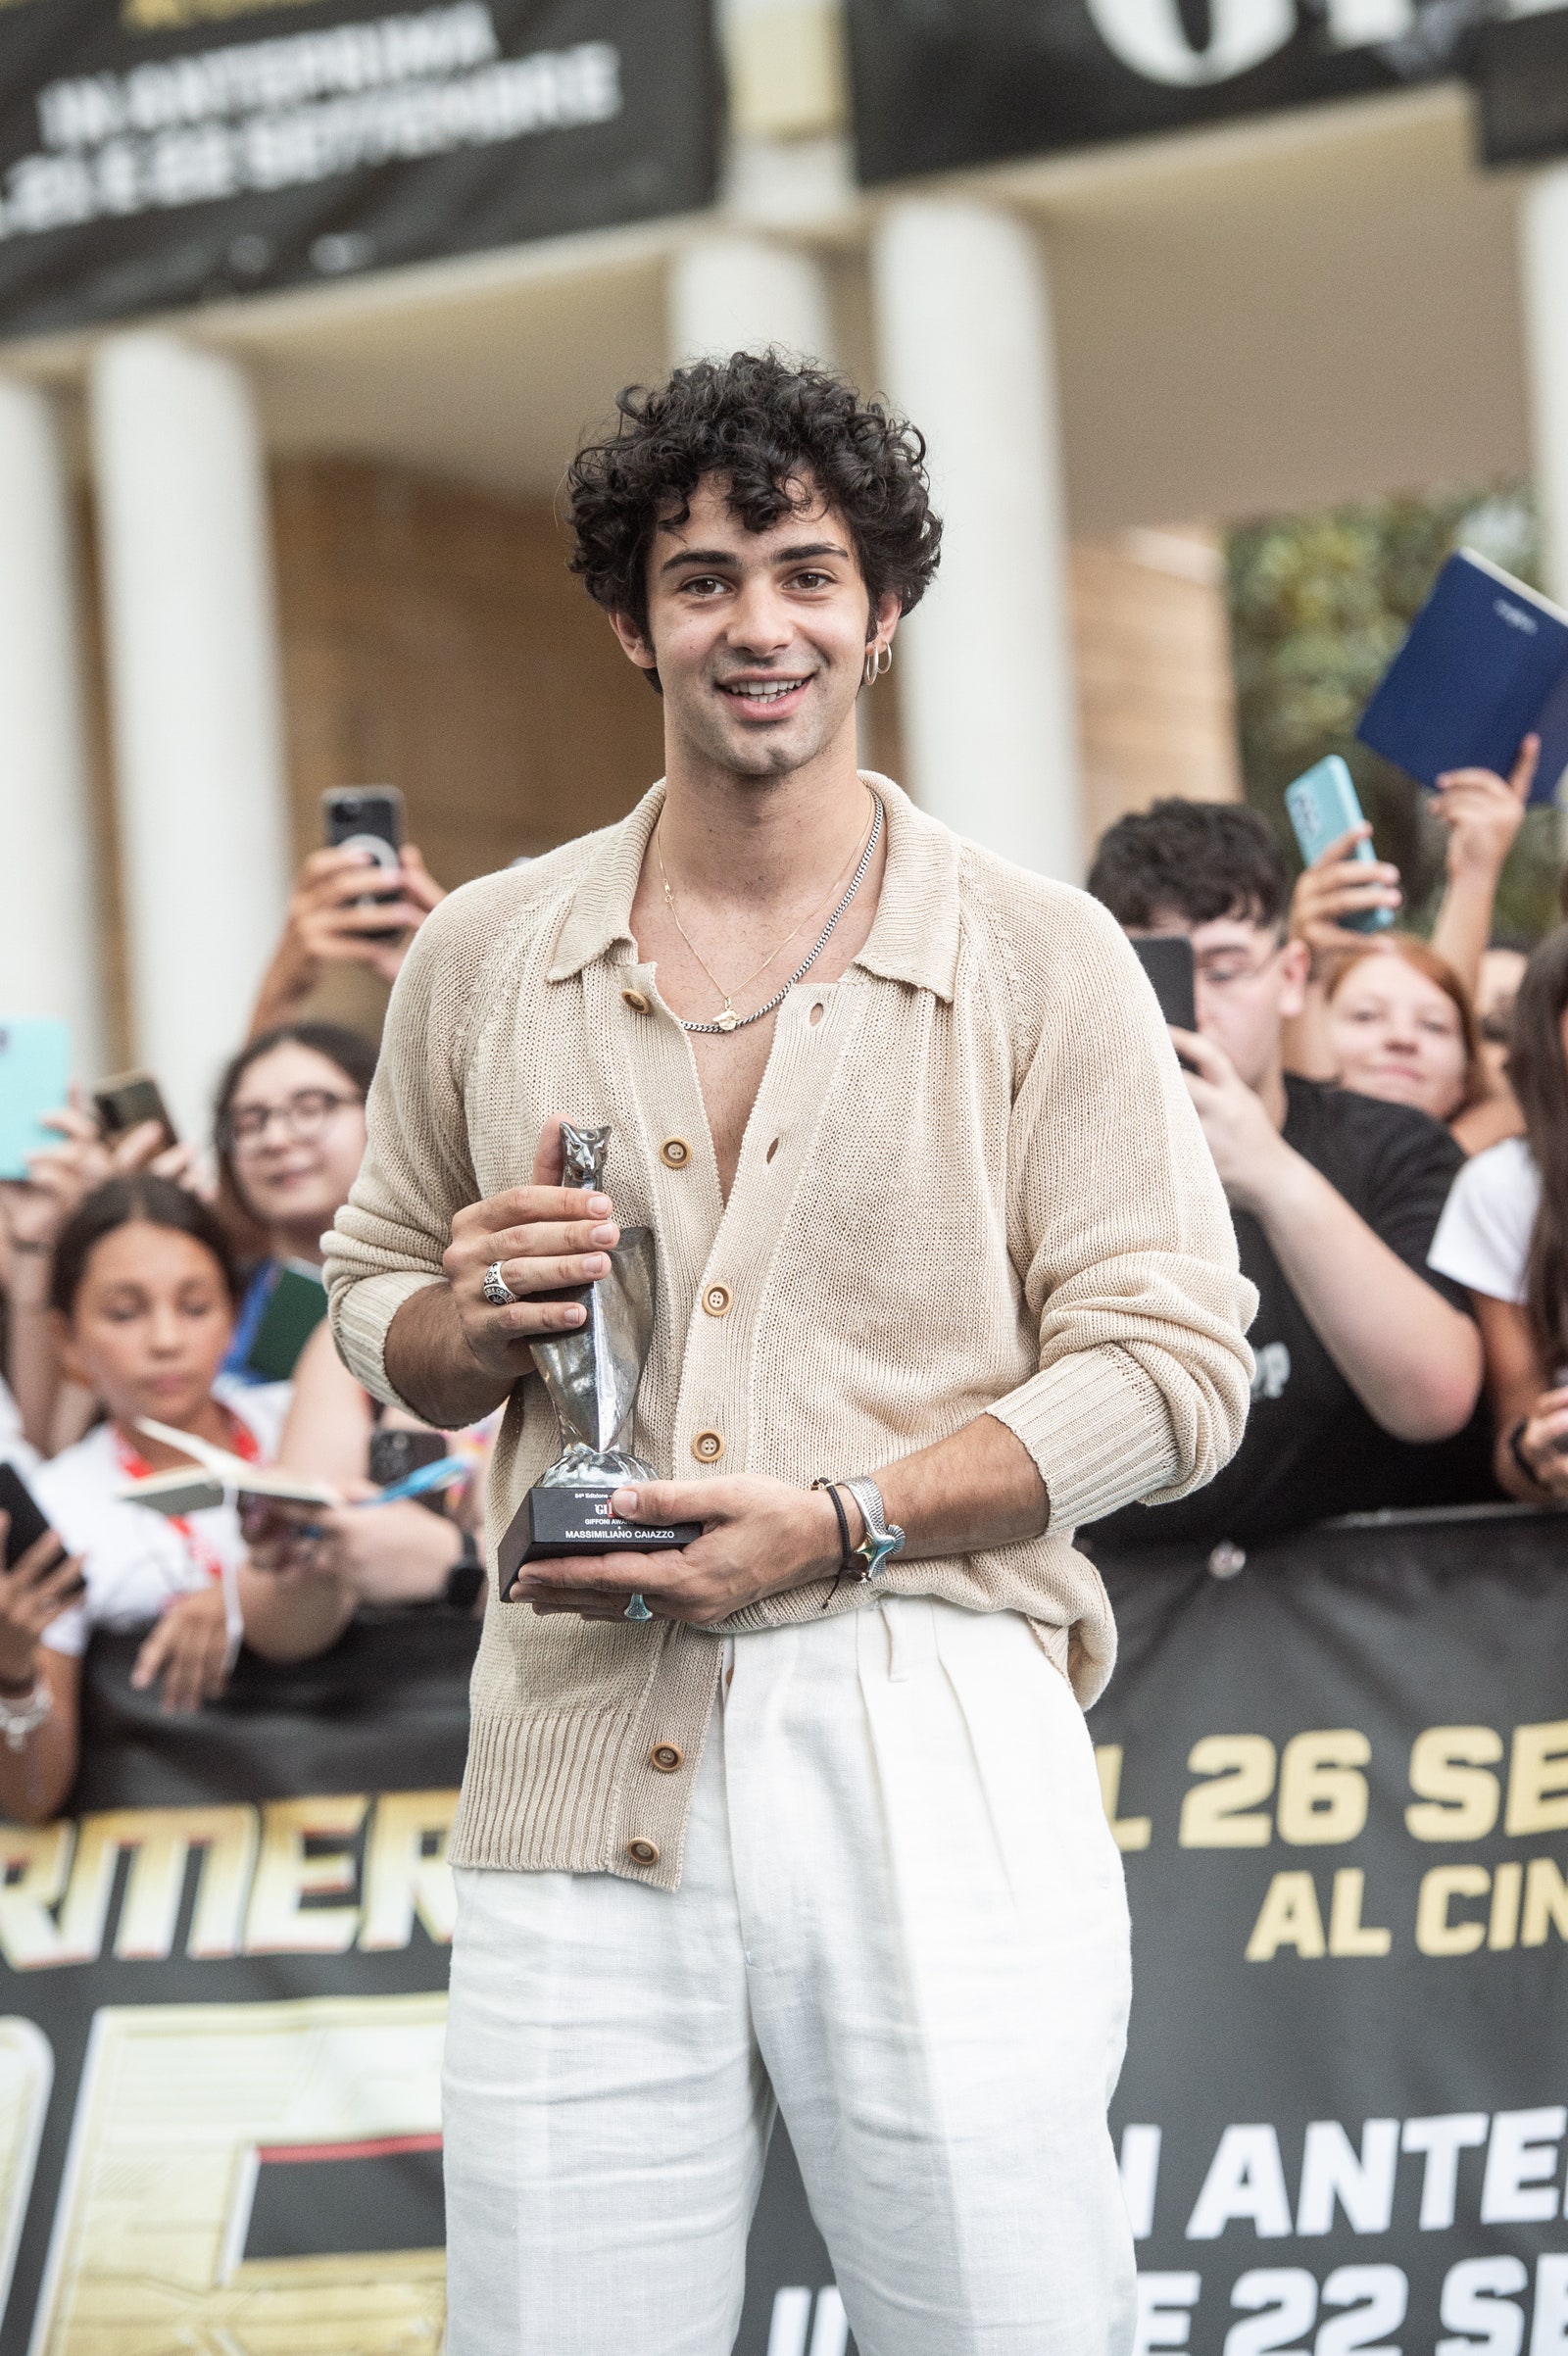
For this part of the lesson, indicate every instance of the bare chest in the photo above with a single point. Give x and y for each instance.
(730, 1065)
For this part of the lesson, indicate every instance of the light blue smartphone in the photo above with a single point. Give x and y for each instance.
(1322, 807)
(34, 1079)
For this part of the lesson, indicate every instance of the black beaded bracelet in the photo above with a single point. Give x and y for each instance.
(845, 1548)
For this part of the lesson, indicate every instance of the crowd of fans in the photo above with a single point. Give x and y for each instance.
(141, 1281)
(1388, 1116)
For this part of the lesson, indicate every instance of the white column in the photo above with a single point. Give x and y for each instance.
(197, 708)
(1544, 260)
(50, 951)
(740, 294)
(984, 665)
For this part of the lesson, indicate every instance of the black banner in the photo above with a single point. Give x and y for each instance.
(1340, 1783)
(941, 84)
(154, 153)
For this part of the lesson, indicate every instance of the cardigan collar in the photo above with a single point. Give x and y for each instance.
(913, 939)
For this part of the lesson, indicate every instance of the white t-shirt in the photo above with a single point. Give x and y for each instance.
(13, 1446)
(134, 1559)
(1483, 1237)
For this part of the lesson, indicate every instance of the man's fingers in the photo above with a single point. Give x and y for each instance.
(1522, 777)
(1209, 1062)
(672, 1502)
(524, 1209)
(550, 1153)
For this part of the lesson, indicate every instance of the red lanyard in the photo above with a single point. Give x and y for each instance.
(134, 1467)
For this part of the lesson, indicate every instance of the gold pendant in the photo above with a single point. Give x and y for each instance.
(729, 1020)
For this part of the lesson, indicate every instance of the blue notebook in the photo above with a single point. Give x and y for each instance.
(1472, 678)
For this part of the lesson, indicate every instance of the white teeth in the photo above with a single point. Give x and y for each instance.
(765, 694)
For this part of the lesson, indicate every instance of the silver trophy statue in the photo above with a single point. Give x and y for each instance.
(592, 1374)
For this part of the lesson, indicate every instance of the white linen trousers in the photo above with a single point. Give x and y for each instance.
(902, 1922)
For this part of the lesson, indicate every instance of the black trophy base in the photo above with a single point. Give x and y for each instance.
(578, 1521)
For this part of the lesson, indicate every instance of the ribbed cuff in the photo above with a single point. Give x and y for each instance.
(1099, 1431)
(362, 1318)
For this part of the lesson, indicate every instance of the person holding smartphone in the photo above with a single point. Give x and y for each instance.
(143, 1294)
(333, 921)
(1368, 1363)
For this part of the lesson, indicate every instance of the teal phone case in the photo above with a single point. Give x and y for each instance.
(34, 1079)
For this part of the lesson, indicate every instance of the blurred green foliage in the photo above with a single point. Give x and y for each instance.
(1318, 606)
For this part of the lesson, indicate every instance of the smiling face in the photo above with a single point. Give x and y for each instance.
(296, 1127)
(1397, 1035)
(758, 638)
(150, 1324)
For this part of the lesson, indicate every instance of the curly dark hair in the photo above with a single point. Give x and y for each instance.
(766, 426)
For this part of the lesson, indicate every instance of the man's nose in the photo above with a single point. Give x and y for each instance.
(760, 622)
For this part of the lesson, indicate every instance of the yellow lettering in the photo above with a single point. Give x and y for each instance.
(278, 1921)
(1347, 1934)
(1323, 1795)
(400, 1879)
(39, 1862)
(160, 1841)
(1129, 1832)
(1288, 1918)
(1212, 1812)
(1435, 1935)
(1546, 1903)
(1506, 1882)
(1448, 1774)
(1538, 1779)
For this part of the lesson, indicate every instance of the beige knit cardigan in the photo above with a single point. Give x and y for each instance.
(974, 1183)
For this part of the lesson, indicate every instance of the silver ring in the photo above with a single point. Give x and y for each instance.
(496, 1288)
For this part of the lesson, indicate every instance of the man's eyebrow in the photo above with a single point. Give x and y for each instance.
(717, 557)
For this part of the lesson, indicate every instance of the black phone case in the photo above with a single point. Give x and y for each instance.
(28, 1521)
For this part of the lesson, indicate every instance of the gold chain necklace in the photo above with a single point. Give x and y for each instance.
(727, 1019)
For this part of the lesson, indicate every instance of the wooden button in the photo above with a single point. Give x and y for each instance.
(643, 1851)
(635, 1000)
(719, 1301)
(707, 1446)
(665, 1756)
(676, 1152)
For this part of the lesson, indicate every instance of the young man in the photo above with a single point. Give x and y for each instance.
(935, 1224)
(1361, 1350)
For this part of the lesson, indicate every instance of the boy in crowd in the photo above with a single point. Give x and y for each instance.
(1365, 1357)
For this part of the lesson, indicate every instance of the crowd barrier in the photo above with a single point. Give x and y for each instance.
(1340, 1785)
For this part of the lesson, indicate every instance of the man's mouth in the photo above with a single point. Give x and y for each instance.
(759, 692)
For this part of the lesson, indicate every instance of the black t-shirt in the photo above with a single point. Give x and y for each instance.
(1310, 1448)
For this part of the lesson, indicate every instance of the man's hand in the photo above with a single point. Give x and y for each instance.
(759, 1536)
(1484, 812)
(1248, 1152)
(546, 1237)
(1336, 886)
(189, 1650)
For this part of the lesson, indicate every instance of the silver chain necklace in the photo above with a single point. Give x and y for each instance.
(729, 1020)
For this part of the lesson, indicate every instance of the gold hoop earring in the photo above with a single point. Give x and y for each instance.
(878, 660)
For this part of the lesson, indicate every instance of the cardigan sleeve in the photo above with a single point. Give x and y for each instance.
(389, 1238)
(1119, 1228)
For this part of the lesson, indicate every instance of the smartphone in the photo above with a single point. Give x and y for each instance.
(34, 1079)
(1322, 805)
(1167, 959)
(365, 817)
(394, 1455)
(28, 1522)
(125, 1102)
